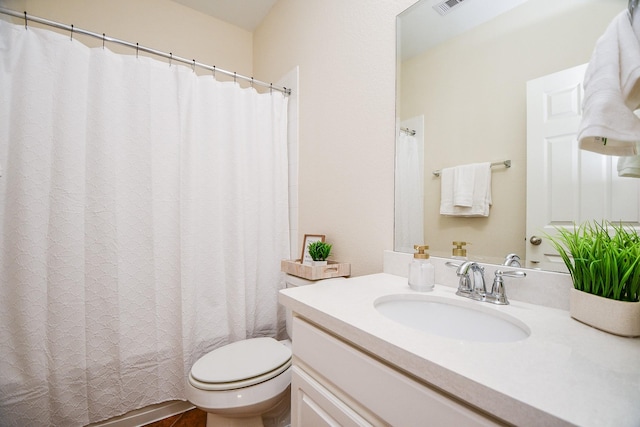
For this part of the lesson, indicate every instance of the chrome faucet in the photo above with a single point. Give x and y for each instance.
(512, 260)
(472, 284)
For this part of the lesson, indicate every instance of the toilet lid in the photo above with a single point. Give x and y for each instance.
(240, 360)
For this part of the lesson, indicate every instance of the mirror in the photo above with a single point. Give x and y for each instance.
(464, 93)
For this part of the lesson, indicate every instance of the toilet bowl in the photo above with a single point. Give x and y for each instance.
(238, 383)
(244, 382)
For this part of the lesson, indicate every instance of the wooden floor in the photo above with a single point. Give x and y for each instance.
(192, 418)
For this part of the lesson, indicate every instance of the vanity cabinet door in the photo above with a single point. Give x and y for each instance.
(314, 405)
(376, 391)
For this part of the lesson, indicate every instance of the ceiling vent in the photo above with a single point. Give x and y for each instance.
(446, 6)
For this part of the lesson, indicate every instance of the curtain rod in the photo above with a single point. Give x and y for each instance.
(72, 29)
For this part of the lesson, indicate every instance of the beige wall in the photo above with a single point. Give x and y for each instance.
(472, 93)
(346, 54)
(159, 24)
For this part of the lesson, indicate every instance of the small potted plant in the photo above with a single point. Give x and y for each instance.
(604, 262)
(319, 252)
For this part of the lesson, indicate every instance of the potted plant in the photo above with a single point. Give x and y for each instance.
(319, 252)
(604, 262)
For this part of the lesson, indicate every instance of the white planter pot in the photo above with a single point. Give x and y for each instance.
(616, 317)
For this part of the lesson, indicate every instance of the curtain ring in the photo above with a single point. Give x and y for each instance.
(214, 71)
(251, 81)
(270, 87)
(103, 35)
(234, 77)
(170, 58)
(71, 33)
(25, 20)
(137, 46)
(193, 66)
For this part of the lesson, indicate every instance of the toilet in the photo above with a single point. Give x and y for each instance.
(241, 383)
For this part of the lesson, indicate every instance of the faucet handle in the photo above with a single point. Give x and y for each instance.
(515, 273)
(498, 292)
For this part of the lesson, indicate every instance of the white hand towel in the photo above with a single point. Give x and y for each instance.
(446, 190)
(629, 166)
(612, 92)
(481, 193)
(463, 185)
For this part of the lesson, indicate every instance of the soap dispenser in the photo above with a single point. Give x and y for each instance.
(459, 252)
(421, 271)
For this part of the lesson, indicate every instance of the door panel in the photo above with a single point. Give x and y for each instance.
(566, 185)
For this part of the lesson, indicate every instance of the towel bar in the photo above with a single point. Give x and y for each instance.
(505, 163)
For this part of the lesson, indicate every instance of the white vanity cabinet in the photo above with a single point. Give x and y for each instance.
(354, 366)
(336, 384)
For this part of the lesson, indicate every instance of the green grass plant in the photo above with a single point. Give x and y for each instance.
(603, 258)
(319, 251)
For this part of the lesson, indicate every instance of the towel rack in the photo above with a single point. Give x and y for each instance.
(505, 163)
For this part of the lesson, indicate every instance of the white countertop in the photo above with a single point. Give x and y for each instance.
(564, 373)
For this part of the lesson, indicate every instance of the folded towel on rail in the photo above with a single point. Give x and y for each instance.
(480, 190)
(612, 91)
(463, 185)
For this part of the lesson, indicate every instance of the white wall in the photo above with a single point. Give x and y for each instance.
(346, 54)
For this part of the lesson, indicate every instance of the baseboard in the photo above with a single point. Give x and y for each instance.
(146, 415)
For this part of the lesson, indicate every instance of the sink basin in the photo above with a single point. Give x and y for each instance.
(463, 320)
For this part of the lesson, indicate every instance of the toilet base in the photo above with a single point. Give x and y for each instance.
(278, 416)
(214, 420)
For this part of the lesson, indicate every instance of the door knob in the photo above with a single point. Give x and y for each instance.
(535, 240)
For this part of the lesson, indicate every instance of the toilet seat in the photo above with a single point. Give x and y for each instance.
(240, 364)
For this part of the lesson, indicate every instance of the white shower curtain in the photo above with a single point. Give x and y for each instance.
(144, 214)
(409, 194)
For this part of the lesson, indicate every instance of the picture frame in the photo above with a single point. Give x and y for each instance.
(305, 258)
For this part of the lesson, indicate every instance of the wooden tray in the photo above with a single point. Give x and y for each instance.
(332, 269)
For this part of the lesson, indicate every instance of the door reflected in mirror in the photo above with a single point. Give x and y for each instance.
(469, 90)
